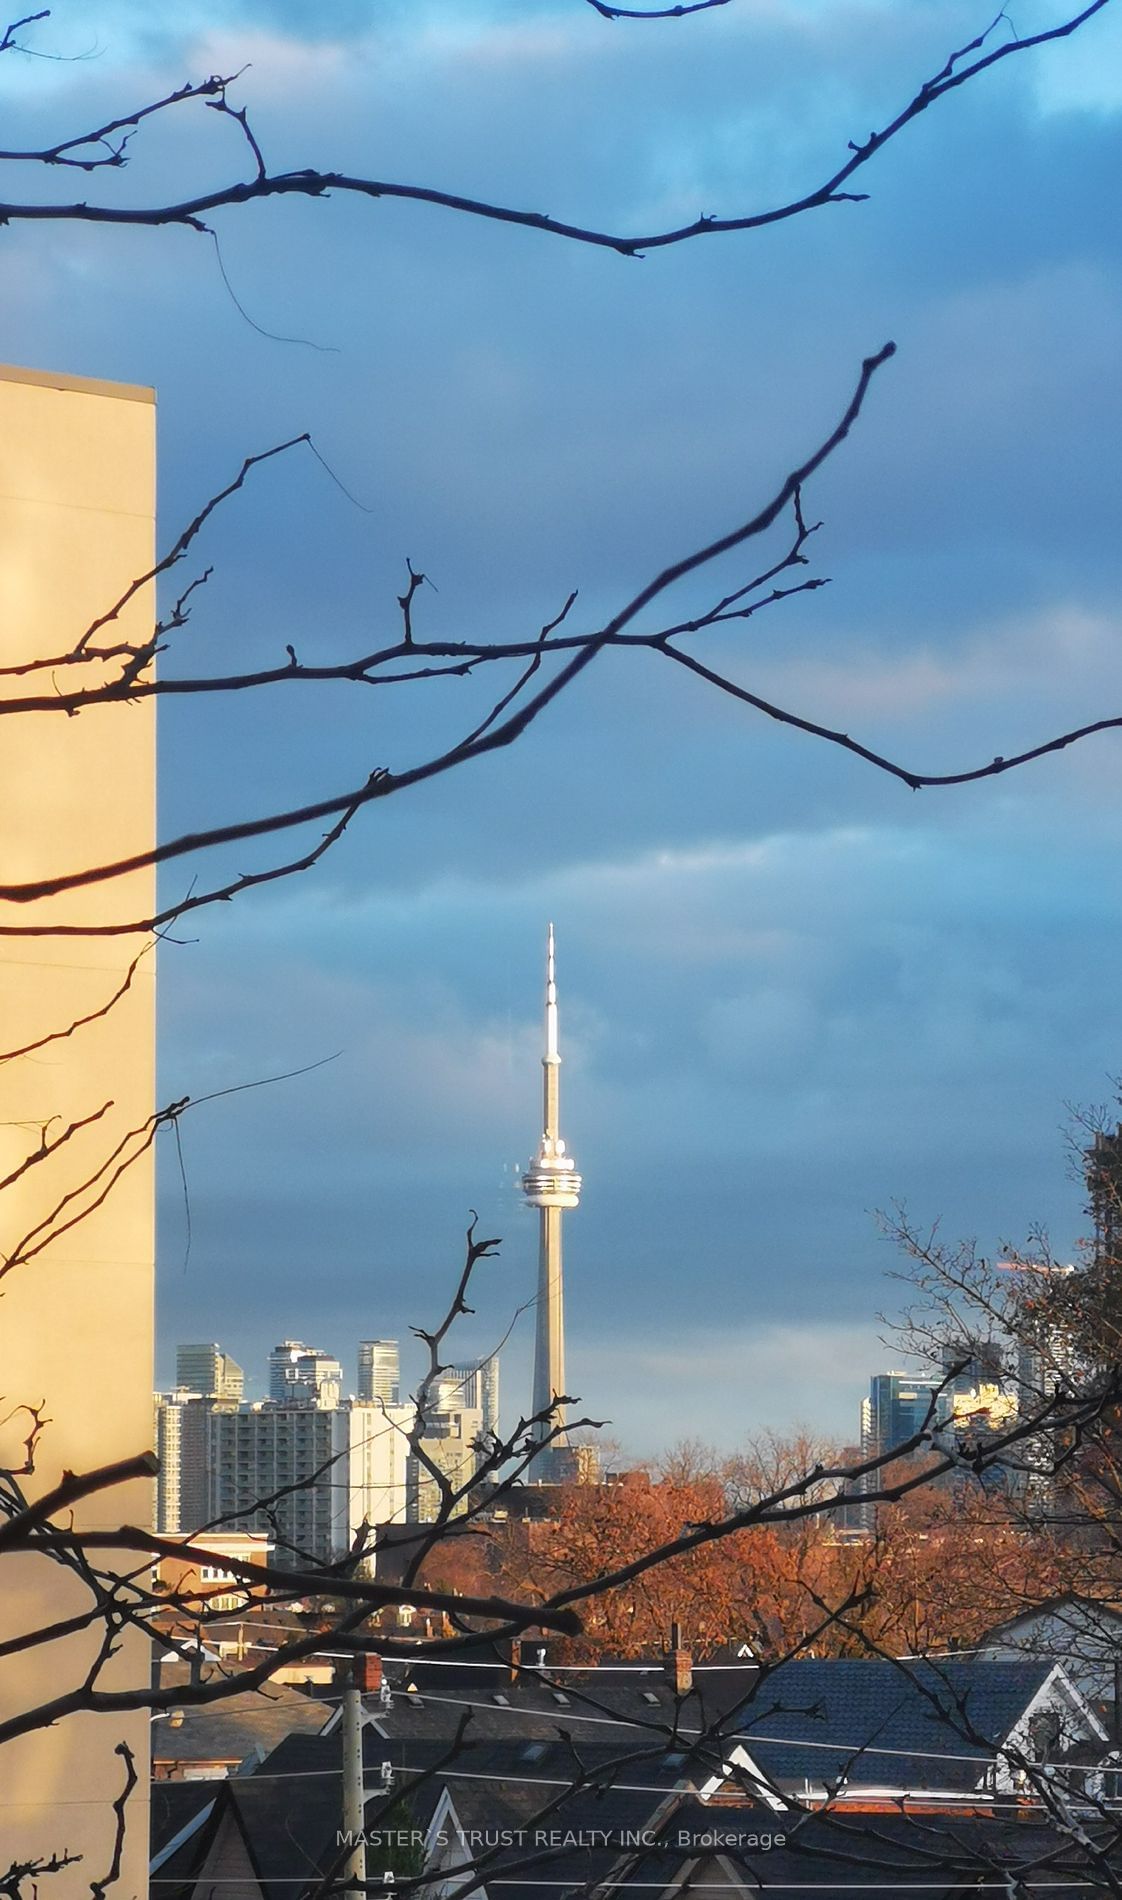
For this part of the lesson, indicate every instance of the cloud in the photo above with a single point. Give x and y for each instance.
(722, 1383)
(1017, 661)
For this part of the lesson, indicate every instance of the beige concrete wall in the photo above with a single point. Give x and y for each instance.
(77, 503)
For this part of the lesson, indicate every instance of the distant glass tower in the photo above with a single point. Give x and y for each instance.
(209, 1371)
(477, 1387)
(303, 1375)
(379, 1371)
(898, 1406)
(551, 1184)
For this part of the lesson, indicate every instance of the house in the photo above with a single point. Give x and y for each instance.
(543, 1817)
(206, 1741)
(198, 1578)
(1085, 1636)
(877, 1731)
(839, 1856)
(259, 1839)
(838, 1775)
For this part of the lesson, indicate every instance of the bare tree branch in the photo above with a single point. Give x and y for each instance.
(482, 740)
(192, 212)
(655, 13)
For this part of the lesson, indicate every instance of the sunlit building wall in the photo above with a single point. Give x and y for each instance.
(77, 504)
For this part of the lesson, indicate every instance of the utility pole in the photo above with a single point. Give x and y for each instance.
(354, 1805)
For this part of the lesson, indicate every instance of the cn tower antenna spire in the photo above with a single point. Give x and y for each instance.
(551, 1184)
(552, 1052)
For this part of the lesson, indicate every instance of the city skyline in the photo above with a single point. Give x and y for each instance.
(294, 1373)
(538, 1367)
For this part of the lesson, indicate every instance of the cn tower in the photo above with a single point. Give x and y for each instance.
(551, 1184)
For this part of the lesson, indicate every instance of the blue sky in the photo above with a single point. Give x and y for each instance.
(792, 991)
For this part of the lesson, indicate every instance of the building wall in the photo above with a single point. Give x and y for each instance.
(77, 500)
(378, 1446)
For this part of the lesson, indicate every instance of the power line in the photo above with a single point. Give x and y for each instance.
(533, 1671)
(542, 1671)
(965, 1797)
(563, 1718)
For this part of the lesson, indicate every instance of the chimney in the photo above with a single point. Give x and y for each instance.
(515, 1658)
(680, 1662)
(368, 1672)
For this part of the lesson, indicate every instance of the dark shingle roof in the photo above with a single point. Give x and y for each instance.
(537, 1703)
(289, 1812)
(237, 1726)
(879, 1722)
(181, 1817)
(175, 1807)
(842, 1857)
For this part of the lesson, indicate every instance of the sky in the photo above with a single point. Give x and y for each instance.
(793, 992)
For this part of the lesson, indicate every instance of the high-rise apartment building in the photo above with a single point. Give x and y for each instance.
(182, 1442)
(379, 1371)
(899, 1405)
(304, 1375)
(325, 1472)
(453, 1437)
(979, 1388)
(377, 1442)
(209, 1371)
(489, 1394)
(168, 1442)
(1049, 1366)
(973, 1363)
(260, 1451)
